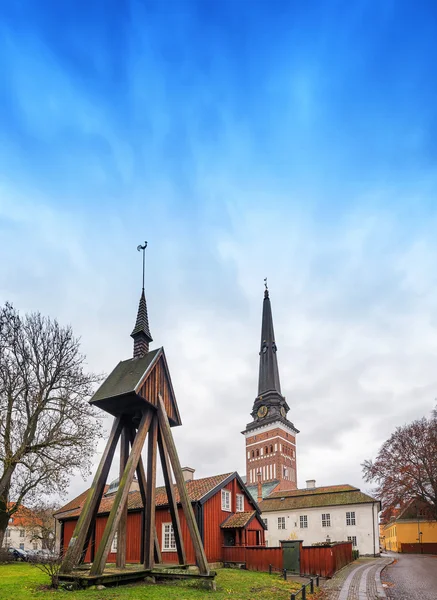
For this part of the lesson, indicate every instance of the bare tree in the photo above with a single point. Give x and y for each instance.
(47, 428)
(406, 466)
(40, 524)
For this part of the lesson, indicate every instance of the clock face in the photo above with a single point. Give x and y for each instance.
(283, 413)
(262, 411)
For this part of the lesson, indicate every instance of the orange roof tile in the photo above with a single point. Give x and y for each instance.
(197, 489)
(23, 517)
(238, 520)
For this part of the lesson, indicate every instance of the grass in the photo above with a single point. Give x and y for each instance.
(20, 581)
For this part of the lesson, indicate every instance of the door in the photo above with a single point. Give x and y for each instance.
(291, 556)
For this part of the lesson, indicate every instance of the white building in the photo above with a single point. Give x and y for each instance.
(20, 531)
(333, 513)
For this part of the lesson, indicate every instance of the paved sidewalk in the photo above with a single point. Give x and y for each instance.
(361, 580)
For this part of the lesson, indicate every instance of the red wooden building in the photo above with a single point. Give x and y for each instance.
(225, 512)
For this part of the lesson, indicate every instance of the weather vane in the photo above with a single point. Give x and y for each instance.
(265, 283)
(143, 248)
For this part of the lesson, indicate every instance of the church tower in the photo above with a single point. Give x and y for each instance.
(270, 436)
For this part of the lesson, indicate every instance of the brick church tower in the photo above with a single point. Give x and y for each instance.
(270, 436)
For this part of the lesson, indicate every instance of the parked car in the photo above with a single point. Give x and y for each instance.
(18, 554)
(36, 555)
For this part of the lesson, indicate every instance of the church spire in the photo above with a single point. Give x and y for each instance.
(141, 332)
(268, 380)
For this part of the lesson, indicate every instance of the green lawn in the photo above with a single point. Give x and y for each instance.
(20, 581)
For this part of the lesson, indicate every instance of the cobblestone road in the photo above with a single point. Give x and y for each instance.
(411, 577)
(358, 581)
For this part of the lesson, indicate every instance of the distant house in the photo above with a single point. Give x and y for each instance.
(20, 530)
(319, 514)
(410, 529)
(225, 512)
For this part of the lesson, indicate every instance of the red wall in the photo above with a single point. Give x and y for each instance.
(213, 517)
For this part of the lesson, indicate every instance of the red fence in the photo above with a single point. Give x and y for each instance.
(427, 548)
(256, 558)
(324, 560)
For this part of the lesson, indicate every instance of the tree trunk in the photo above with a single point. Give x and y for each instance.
(4, 519)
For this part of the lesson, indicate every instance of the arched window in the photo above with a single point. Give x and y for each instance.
(271, 448)
(253, 453)
(257, 452)
(267, 450)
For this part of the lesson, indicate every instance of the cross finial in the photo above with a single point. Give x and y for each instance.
(143, 248)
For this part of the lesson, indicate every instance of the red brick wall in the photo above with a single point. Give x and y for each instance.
(283, 456)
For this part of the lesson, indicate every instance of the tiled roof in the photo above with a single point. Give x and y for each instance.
(240, 519)
(295, 502)
(327, 489)
(197, 489)
(23, 517)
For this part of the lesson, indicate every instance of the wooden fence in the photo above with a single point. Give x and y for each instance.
(256, 558)
(324, 560)
(427, 548)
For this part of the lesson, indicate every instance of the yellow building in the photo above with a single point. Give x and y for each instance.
(410, 531)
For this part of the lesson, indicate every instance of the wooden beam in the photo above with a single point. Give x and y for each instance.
(121, 495)
(89, 511)
(122, 527)
(199, 551)
(141, 475)
(166, 470)
(149, 524)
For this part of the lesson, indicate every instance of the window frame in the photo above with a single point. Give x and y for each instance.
(351, 538)
(226, 505)
(171, 545)
(281, 522)
(114, 544)
(326, 519)
(350, 518)
(22, 533)
(303, 521)
(266, 523)
(239, 498)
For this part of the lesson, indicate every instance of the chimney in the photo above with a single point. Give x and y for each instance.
(188, 473)
(260, 487)
(311, 484)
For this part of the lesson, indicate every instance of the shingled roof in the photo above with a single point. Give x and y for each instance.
(333, 495)
(238, 520)
(197, 490)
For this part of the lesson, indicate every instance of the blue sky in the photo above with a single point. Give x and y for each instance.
(241, 139)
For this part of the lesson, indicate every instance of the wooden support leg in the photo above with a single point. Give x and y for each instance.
(171, 500)
(185, 501)
(89, 512)
(121, 495)
(149, 525)
(142, 485)
(122, 528)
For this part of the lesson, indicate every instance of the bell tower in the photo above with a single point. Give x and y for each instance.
(270, 436)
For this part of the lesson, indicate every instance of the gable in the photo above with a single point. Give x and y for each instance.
(136, 381)
(157, 382)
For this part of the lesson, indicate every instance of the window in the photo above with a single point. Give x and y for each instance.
(353, 539)
(168, 541)
(303, 521)
(226, 500)
(21, 546)
(326, 520)
(240, 503)
(266, 523)
(35, 546)
(266, 450)
(271, 448)
(114, 544)
(253, 453)
(7, 532)
(350, 518)
(21, 532)
(281, 522)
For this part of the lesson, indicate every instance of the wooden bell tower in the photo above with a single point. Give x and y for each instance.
(139, 394)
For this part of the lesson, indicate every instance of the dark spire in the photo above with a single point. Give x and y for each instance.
(268, 362)
(141, 332)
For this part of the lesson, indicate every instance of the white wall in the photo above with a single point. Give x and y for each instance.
(16, 541)
(365, 529)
